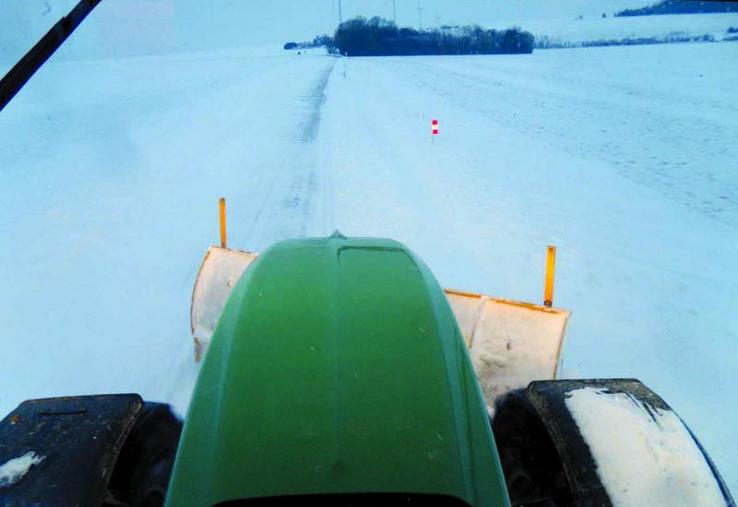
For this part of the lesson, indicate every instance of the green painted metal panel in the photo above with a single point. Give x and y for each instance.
(337, 366)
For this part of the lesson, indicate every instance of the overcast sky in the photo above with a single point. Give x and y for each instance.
(265, 21)
(123, 27)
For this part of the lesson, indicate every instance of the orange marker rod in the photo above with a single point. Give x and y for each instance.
(222, 223)
(548, 292)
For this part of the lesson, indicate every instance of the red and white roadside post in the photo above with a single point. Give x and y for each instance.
(434, 129)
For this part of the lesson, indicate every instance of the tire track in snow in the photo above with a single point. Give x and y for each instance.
(316, 99)
(307, 185)
(288, 203)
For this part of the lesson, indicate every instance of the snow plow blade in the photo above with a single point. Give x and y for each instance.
(620, 444)
(220, 270)
(510, 343)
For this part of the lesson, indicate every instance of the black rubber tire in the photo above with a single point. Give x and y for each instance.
(143, 469)
(533, 470)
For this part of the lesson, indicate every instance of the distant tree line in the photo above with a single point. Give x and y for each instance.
(379, 37)
(681, 7)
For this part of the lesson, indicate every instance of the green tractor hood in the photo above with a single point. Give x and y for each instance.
(337, 367)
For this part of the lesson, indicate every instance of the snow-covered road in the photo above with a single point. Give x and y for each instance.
(623, 157)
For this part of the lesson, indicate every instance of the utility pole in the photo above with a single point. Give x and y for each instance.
(340, 13)
(420, 17)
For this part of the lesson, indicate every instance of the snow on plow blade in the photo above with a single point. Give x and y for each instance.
(220, 270)
(510, 343)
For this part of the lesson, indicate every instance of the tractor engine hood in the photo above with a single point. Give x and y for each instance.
(337, 367)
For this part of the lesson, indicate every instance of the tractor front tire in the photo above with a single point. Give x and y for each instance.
(533, 470)
(142, 473)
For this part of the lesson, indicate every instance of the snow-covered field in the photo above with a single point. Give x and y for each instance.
(624, 157)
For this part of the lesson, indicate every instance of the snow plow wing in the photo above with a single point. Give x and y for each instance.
(510, 343)
(220, 270)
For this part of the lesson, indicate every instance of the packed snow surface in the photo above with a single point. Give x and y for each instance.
(15, 469)
(644, 455)
(623, 157)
